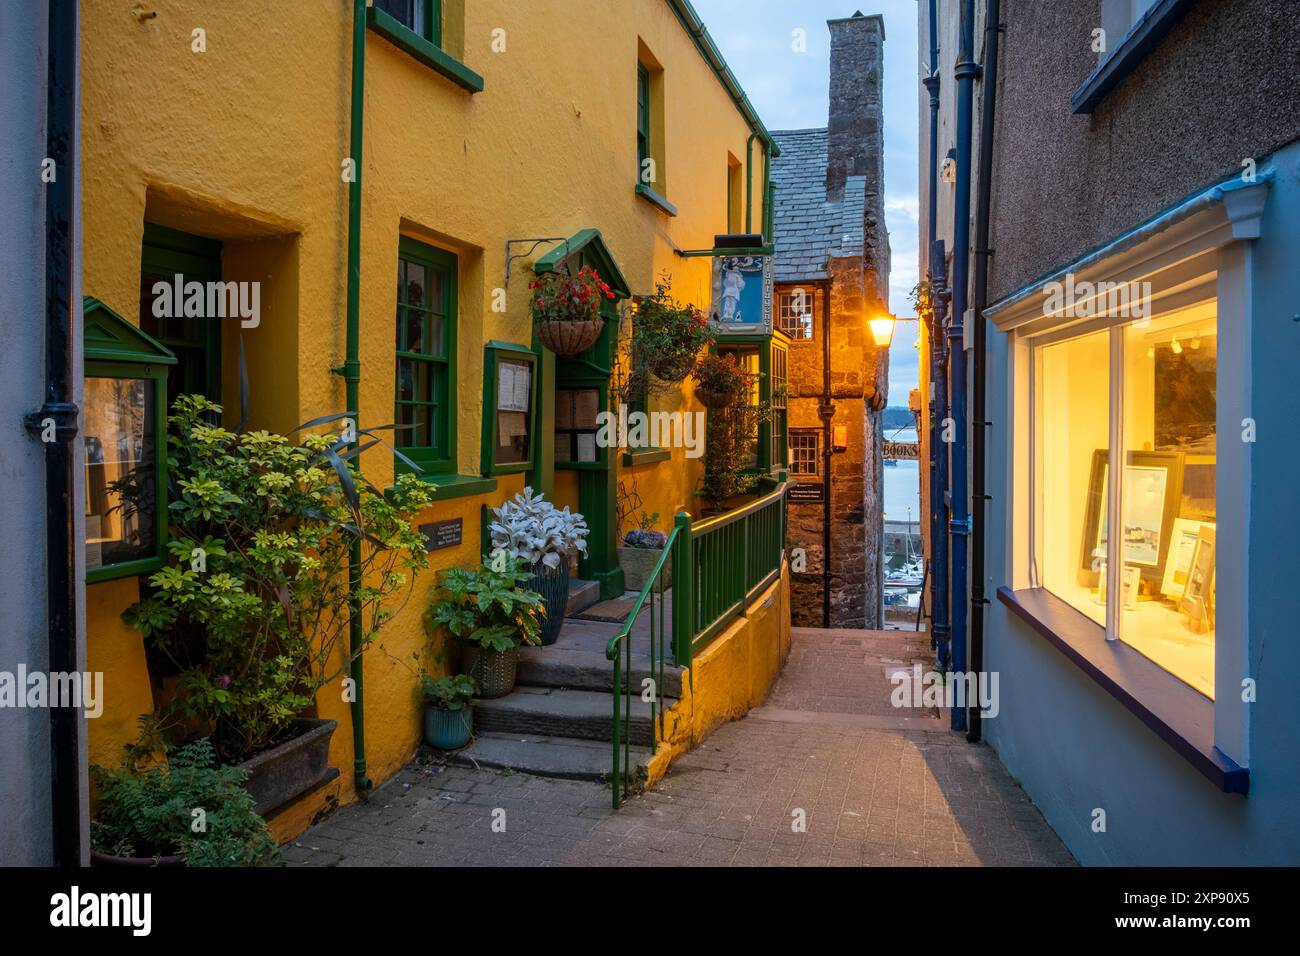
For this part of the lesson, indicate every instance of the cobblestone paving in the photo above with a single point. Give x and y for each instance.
(873, 790)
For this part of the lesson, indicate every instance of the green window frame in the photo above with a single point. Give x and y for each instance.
(494, 355)
(196, 342)
(425, 362)
(116, 350)
(642, 118)
(421, 17)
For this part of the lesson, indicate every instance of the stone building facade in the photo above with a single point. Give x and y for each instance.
(832, 272)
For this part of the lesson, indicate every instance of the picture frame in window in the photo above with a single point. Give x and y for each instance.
(1142, 552)
(1182, 550)
(1197, 601)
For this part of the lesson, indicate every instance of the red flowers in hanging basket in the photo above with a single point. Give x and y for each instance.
(566, 309)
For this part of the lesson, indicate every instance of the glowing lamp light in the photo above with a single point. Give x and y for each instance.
(882, 330)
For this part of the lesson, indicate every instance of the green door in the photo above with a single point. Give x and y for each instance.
(194, 340)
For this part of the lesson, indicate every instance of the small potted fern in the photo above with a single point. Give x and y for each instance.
(187, 811)
(488, 611)
(448, 711)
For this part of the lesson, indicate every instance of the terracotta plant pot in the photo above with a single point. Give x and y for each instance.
(493, 671)
(567, 339)
(711, 399)
(285, 772)
(673, 368)
(135, 862)
(448, 729)
(553, 585)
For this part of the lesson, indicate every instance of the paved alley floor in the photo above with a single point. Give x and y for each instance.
(825, 773)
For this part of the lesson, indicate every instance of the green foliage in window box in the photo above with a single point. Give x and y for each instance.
(486, 607)
(252, 608)
(189, 806)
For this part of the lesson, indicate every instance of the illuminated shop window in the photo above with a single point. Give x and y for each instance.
(1161, 599)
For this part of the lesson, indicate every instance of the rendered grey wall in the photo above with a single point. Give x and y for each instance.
(24, 734)
(1220, 88)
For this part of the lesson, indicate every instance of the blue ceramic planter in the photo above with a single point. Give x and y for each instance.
(448, 729)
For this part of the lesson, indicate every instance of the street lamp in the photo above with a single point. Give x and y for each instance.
(882, 329)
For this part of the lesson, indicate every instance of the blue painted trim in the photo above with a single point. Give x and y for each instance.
(1132, 50)
(1177, 713)
(1162, 220)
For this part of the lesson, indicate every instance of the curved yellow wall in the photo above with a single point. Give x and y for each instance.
(245, 143)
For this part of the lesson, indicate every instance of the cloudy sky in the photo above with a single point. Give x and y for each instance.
(789, 91)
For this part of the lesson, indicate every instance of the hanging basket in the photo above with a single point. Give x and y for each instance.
(711, 399)
(569, 338)
(673, 368)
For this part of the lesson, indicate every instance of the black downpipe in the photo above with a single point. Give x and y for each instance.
(827, 413)
(979, 487)
(938, 557)
(59, 408)
(939, 507)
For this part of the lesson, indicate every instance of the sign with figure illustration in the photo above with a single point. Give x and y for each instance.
(742, 294)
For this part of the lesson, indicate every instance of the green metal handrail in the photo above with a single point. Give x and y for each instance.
(621, 777)
(718, 566)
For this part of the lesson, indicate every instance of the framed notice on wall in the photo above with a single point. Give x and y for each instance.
(509, 407)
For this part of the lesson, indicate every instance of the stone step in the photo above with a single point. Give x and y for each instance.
(546, 756)
(548, 712)
(582, 595)
(559, 666)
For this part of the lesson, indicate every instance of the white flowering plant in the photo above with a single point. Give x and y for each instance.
(530, 528)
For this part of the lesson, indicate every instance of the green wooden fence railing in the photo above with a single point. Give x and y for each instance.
(718, 566)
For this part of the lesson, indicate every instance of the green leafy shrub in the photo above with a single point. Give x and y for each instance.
(449, 693)
(189, 805)
(486, 606)
(666, 336)
(252, 607)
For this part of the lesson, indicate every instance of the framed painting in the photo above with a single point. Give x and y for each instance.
(1153, 489)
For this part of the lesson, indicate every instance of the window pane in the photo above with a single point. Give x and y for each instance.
(1169, 491)
(1072, 432)
(415, 341)
(120, 486)
(418, 416)
(416, 281)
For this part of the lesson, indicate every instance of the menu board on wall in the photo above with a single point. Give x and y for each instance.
(513, 412)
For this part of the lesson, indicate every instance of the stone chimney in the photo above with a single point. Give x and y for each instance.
(855, 145)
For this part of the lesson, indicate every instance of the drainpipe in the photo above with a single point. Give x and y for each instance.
(938, 448)
(352, 377)
(979, 493)
(826, 412)
(934, 334)
(749, 184)
(60, 338)
(959, 524)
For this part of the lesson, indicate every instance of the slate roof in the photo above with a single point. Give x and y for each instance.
(808, 229)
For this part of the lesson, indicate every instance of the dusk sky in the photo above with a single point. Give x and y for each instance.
(789, 90)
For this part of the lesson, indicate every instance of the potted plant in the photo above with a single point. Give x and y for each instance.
(566, 309)
(187, 811)
(250, 615)
(448, 711)
(640, 551)
(488, 611)
(720, 381)
(531, 529)
(666, 336)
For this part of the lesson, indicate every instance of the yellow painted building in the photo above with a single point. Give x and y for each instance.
(217, 136)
